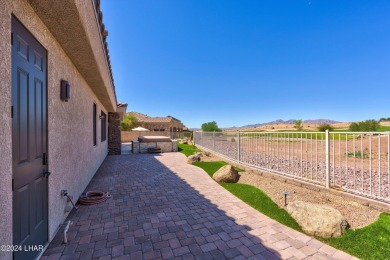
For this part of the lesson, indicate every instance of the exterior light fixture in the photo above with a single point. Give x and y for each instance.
(102, 117)
(65, 90)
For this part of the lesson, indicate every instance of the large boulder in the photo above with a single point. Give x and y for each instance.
(226, 173)
(193, 158)
(318, 220)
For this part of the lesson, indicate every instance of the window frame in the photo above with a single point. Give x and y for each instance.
(94, 124)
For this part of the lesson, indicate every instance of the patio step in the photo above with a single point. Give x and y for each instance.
(154, 150)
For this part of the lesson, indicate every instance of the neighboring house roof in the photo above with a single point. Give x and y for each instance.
(121, 110)
(147, 119)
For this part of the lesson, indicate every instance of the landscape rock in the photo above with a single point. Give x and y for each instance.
(226, 173)
(193, 158)
(318, 220)
(199, 154)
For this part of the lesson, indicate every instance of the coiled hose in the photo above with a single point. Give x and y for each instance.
(94, 197)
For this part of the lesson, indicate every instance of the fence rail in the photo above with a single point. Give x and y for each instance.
(355, 162)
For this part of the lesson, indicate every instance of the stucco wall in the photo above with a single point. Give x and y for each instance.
(5, 129)
(128, 136)
(73, 160)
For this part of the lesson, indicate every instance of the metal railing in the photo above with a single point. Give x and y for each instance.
(181, 135)
(355, 162)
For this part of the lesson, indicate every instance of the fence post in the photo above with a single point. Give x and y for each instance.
(327, 159)
(238, 146)
(214, 141)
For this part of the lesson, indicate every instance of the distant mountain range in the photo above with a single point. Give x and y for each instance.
(289, 122)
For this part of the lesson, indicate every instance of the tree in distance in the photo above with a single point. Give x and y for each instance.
(129, 122)
(211, 127)
(298, 124)
(364, 126)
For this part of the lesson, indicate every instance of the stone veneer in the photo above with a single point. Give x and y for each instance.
(114, 134)
(166, 147)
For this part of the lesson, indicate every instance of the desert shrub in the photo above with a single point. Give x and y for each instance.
(325, 127)
(364, 126)
(354, 127)
(298, 124)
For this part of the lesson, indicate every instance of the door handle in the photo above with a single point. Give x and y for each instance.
(46, 174)
(44, 159)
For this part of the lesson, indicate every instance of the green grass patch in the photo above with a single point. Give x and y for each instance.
(383, 128)
(187, 149)
(261, 202)
(252, 196)
(370, 242)
(212, 167)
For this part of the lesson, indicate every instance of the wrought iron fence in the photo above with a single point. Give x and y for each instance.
(181, 135)
(355, 162)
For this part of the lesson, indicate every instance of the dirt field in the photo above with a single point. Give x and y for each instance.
(306, 127)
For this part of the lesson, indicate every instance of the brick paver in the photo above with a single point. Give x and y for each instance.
(163, 208)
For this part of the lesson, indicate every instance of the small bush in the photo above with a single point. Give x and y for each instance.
(364, 126)
(325, 127)
(359, 154)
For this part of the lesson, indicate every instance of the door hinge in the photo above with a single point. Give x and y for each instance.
(44, 159)
(46, 174)
(12, 111)
(13, 184)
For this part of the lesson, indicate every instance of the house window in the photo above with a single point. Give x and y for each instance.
(103, 124)
(94, 124)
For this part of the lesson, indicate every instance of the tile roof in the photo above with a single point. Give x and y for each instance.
(148, 119)
(103, 35)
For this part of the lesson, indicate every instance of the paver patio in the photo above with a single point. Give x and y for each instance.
(163, 208)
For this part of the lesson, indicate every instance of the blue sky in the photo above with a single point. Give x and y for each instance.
(245, 62)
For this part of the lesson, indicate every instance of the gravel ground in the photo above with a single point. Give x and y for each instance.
(357, 215)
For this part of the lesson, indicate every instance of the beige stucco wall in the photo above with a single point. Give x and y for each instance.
(73, 160)
(5, 129)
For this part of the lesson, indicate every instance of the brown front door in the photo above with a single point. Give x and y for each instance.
(29, 143)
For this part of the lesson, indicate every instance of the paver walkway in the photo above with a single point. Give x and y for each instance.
(163, 208)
